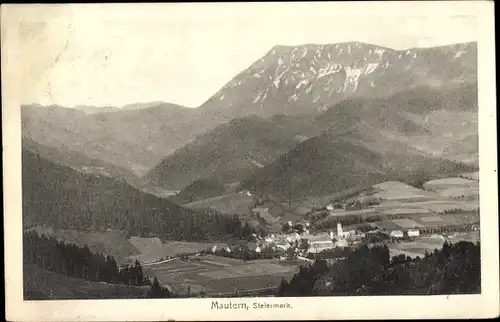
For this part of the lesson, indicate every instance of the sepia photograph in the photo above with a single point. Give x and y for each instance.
(238, 160)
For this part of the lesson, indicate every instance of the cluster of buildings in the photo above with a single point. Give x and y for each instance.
(399, 234)
(316, 243)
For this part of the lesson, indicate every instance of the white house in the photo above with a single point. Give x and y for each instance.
(413, 233)
(284, 247)
(330, 207)
(397, 234)
(214, 249)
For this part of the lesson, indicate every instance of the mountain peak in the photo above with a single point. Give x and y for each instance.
(304, 78)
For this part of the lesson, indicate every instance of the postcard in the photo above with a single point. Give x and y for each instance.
(249, 161)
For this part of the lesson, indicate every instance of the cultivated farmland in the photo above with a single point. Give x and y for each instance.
(407, 223)
(395, 190)
(454, 187)
(215, 275)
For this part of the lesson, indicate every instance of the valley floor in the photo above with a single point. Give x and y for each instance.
(215, 276)
(402, 207)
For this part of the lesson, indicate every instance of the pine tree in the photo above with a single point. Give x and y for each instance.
(282, 288)
(156, 289)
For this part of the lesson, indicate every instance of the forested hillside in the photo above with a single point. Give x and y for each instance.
(355, 157)
(78, 261)
(47, 261)
(66, 198)
(455, 269)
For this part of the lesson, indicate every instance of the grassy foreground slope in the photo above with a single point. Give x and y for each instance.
(40, 284)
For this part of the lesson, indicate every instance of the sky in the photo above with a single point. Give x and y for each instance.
(104, 55)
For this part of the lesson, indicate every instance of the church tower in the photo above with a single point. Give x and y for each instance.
(340, 233)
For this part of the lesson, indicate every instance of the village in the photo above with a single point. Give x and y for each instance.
(305, 240)
(297, 241)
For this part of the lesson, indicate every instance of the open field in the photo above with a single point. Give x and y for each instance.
(242, 204)
(428, 206)
(114, 243)
(160, 192)
(401, 210)
(470, 175)
(406, 223)
(216, 275)
(401, 199)
(237, 203)
(395, 190)
(411, 253)
(40, 284)
(417, 248)
(430, 221)
(454, 187)
(340, 213)
(472, 237)
(126, 251)
(152, 249)
(255, 268)
(429, 243)
(447, 182)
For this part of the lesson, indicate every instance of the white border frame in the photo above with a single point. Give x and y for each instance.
(368, 307)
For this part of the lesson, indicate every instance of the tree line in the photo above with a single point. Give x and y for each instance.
(79, 262)
(68, 199)
(455, 269)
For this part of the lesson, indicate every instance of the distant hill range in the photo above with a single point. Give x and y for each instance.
(291, 102)
(228, 152)
(407, 120)
(334, 162)
(134, 139)
(80, 161)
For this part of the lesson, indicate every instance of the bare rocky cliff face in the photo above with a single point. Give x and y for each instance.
(303, 79)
